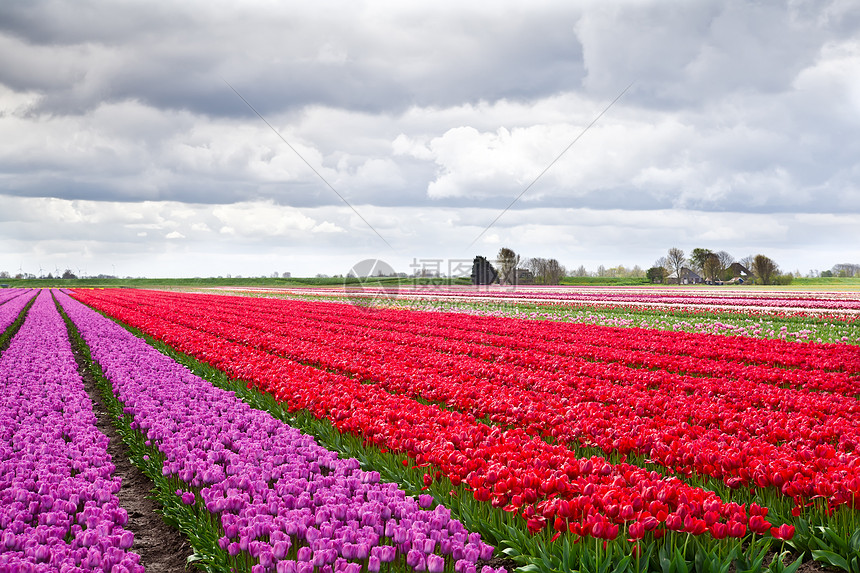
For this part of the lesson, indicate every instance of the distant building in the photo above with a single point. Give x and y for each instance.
(737, 270)
(525, 277)
(740, 274)
(688, 277)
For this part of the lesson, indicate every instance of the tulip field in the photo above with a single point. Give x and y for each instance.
(268, 497)
(305, 434)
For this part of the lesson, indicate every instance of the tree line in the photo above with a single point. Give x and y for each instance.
(716, 267)
(709, 266)
(511, 267)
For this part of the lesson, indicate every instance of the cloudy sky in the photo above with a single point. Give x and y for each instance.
(125, 150)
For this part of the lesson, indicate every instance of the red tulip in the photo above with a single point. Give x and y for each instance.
(759, 524)
(784, 532)
(737, 529)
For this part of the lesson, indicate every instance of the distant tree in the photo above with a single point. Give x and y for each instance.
(826, 274)
(68, 274)
(616, 272)
(546, 271)
(285, 275)
(698, 259)
(675, 261)
(483, 272)
(846, 270)
(553, 272)
(601, 271)
(764, 268)
(636, 272)
(508, 261)
(726, 261)
(4, 275)
(748, 262)
(537, 266)
(711, 267)
(579, 272)
(656, 274)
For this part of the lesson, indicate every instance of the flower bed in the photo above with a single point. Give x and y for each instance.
(745, 429)
(282, 502)
(546, 483)
(58, 508)
(12, 305)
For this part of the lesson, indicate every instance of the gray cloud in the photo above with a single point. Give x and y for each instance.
(418, 115)
(355, 56)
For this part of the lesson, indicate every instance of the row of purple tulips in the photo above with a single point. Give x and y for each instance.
(58, 508)
(11, 304)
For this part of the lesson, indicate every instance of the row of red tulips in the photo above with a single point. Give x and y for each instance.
(587, 340)
(539, 345)
(587, 355)
(735, 430)
(546, 483)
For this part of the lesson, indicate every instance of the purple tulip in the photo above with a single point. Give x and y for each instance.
(486, 551)
(267, 559)
(280, 549)
(435, 564)
(304, 554)
(126, 539)
(414, 558)
(42, 553)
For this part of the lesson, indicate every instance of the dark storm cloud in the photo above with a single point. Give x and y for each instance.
(58, 23)
(286, 58)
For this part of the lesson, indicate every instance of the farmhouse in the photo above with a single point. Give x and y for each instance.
(688, 277)
(739, 273)
(525, 277)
